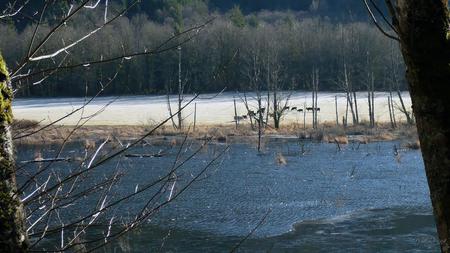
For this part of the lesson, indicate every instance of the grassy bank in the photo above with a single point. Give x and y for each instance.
(30, 132)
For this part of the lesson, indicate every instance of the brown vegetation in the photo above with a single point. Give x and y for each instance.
(281, 160)
(220, 133)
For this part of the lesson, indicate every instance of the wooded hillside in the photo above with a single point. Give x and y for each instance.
(294, 42)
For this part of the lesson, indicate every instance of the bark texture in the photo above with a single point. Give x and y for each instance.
(423, 28)
(12, 228)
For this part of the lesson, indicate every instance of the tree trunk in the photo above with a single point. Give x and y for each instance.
(336, 107)
(356, 107)
(304, 116)
(268, 92)
(236, 120)
(267, 110)
(250, 115)
(404, 110)
(180, 92)
(276, 116)
(369, 100)
(13, 236)
(390, 112)
(391, 105)
(346, 112)
(315, 100)
(260, 121)
(373, 99)
(195, 114)
(425, 41)
(349, 95)
(312, 100)
(350, 103)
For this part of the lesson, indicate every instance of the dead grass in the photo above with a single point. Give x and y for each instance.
(327, 132)
(412, 145)
(281, 160)
(24, 124)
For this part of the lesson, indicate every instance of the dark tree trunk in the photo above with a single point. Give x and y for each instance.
(369, 101)
(336, 107)
(423, 27)
(405, 111)
(373, 100)
(391, 105)
(260, 121)
(180, 92)
(276, 114)
(13, 237)
(390, 112)
(356, 107)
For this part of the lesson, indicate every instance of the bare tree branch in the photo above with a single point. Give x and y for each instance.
(375, 21)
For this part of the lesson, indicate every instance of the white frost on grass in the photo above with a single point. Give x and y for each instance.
(143, 110)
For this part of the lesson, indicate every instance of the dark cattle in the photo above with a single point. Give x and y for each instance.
(300, 110)
(293, 108)
(311, 108)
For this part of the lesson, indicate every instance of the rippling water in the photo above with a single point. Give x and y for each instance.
(360, 199)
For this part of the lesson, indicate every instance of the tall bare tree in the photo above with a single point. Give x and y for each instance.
(254, 71)
(277, 101)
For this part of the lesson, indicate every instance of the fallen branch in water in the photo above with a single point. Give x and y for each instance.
(145, 155)
(48, 160)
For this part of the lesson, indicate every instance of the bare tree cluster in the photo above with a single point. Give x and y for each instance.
(210, 70)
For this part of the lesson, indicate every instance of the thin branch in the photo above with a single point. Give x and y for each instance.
(384, 16)
(33, 37)
(47, 37)
(374, 19)
(14, 13)
(392, 12)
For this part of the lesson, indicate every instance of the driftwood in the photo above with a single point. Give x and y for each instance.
(48, 160)
(144, 155)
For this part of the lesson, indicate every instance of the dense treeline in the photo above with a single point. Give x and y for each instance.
(227, 53)
(155, 9)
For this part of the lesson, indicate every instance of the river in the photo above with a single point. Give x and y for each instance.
(360, 199)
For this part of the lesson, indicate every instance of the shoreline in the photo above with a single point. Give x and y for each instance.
(327, 133)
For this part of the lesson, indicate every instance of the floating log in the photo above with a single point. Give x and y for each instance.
(144, 155)
(48, 160)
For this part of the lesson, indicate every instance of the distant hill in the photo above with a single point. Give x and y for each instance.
(155, 9)
(331, 8)
(334, 9)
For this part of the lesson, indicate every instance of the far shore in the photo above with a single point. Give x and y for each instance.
(128, 118)
(26, 132)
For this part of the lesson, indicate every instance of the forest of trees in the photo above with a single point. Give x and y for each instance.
(294, 42)
(156, 9)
